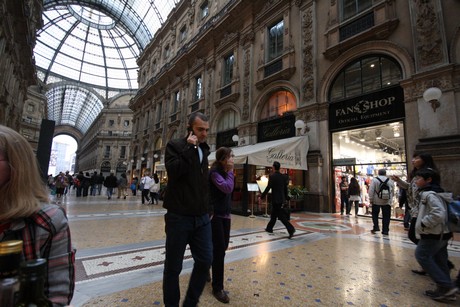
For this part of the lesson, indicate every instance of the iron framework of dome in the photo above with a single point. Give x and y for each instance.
(92, 46)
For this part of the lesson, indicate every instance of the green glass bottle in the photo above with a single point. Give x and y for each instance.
(32, 280)
(10, 258)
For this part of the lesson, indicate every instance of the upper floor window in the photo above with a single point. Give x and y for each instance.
(198, 88)
(30, 108)
(365, 75)
(175, 103)
(147, 120)
(166, 52)
(123, 152)
(275, 40)
(159, 111)
(111, 122)
(126, 123)
(279, 103)
(153, 67)
(228, 69)
(350, 8)
(204, 9)
(183, 34)
(228, 120)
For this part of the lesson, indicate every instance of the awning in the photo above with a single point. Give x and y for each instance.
(290, 153)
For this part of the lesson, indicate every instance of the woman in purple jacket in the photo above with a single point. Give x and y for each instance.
(221, 183)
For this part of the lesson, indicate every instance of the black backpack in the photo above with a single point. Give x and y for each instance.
(384, 189)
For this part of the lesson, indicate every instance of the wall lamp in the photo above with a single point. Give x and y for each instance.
(301, 127)
(142, 158)
(432, 95)
(235, 138)
(156, 156)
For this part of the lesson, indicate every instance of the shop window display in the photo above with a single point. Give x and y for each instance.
(360, 153)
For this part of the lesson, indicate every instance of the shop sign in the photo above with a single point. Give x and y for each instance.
(105, 167)
(345, 161)
(275, 129)
(383, 106)
(121, 168)
(225, 138)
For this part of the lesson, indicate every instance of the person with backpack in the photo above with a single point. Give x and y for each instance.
(380, 197)
(433, 232)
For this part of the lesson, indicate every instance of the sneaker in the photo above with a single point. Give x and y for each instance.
(221, 296)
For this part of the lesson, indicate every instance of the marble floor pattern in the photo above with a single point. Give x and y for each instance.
(332, 260)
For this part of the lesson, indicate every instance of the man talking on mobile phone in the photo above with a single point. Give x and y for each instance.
(187, 218)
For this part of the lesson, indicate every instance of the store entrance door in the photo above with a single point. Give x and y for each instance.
(364, 173)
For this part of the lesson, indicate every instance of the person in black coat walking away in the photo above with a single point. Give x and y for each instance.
(278, 183)
(86, 183)
(354, 192)
(110, 183)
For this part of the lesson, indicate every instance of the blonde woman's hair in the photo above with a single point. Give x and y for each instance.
(23, 194)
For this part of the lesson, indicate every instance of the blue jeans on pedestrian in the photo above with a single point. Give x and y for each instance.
(109, 192)
(431, 254)
(180, 231)
(386, 215)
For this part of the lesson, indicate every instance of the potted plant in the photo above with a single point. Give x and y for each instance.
(296, 192)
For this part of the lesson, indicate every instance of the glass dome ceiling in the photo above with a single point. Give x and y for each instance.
(95, 44)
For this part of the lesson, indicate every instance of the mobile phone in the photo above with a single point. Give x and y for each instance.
(189, 129)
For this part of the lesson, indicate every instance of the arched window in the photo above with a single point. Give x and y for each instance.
(158, 144)
(279, 103)
(365, 75)
(228, 120)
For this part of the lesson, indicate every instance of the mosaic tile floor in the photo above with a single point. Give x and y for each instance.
(332, 260)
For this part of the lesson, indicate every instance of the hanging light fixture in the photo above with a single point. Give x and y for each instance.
(396, 133)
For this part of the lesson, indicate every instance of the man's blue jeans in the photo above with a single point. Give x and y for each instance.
(431, 254)
(180, 231)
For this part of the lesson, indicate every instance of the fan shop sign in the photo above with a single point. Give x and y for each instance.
(383, 106)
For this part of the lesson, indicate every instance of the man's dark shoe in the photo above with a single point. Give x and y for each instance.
(419, 272)
(269, 231)
(291, 234)
(221, 296)
(440, 294)
(374, 231)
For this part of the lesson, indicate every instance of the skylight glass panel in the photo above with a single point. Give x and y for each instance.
(77, 37)
(65, 71)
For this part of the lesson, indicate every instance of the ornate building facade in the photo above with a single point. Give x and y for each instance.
(351, 75)
(18, 27)
(105, 147)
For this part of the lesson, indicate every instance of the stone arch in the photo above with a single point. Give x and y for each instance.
(218, 113)
(265, 94)
(400, 55)
(455, 48)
